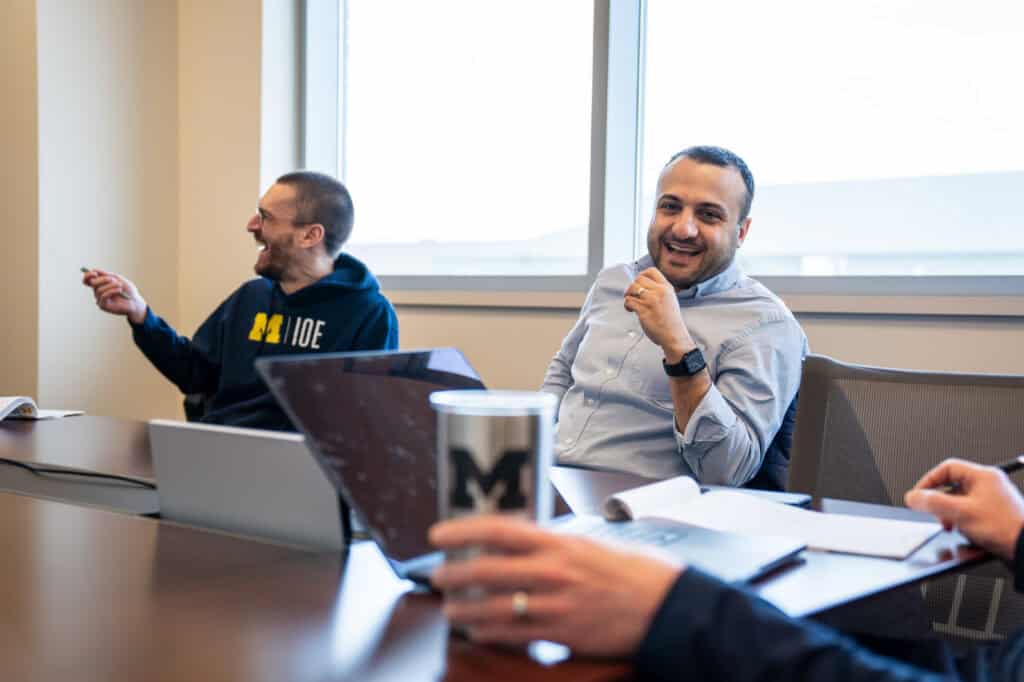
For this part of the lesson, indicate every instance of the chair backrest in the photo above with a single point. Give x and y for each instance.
(868, 434)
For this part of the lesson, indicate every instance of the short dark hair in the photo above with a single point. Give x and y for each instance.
(319, 198)
(723, 158)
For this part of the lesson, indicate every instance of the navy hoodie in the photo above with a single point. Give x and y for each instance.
(343, 311)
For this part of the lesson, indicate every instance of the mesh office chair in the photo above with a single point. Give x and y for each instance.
(867, 434)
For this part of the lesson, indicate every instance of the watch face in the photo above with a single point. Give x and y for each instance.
(690, 364)
(694, 361)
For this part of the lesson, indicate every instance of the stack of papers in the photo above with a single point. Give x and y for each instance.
(679, 499)
(22, 407)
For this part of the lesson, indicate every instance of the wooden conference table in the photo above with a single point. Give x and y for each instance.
(90, 594)
(83, 443)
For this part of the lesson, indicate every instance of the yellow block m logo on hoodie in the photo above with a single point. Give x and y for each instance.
(262, 330)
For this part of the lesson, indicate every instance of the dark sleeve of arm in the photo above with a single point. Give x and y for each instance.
(379, 330)
(189, 365)
(708, 630)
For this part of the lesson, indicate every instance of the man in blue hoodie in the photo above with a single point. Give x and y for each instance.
(308, 298)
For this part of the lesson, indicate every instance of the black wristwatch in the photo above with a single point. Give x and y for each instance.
(691, 363)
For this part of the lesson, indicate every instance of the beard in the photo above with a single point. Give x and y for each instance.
(685, 270)
(269, 264)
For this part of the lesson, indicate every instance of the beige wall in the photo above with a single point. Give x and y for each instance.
(219, 147)
(959, 344)
(145, 156)
(511, 347)
(19, 280)
(108, 195)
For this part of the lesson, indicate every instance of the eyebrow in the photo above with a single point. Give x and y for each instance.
(700, 204)
(710, 204)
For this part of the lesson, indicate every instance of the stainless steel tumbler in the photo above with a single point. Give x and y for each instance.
(494, 450)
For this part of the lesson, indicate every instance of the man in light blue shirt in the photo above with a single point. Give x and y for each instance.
(679, 363)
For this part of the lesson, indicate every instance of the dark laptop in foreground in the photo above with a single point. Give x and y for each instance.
(368, 422)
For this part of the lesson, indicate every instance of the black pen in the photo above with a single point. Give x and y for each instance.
(1015, 464)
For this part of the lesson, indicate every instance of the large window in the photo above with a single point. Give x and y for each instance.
(465, 135)
(885, 135)
(517, 145)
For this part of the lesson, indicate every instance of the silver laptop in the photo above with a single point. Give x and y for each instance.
(367, 419)
(263, 484)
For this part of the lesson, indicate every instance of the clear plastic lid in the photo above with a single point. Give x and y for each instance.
(493, 403)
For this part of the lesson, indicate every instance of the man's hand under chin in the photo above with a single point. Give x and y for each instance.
(653, 299)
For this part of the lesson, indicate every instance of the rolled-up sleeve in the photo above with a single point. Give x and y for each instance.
(756, 376)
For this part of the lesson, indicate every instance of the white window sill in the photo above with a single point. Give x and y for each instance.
(973, 306)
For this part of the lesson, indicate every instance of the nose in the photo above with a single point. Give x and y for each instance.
(254, 223)
(685, 225)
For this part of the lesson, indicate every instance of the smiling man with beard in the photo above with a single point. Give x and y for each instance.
(679, 363)
(308, 298)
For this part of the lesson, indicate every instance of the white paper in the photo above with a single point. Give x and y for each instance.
(737, 512)
(23, 407)
(17, 406)
(54, 414)
(653, 499)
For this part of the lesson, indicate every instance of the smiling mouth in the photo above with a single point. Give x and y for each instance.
(682, 249)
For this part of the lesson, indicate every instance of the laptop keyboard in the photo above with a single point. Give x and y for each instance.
(633, 533)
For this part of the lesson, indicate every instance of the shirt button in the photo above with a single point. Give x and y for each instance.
(632, 335)
(568, 441)
(609, 371)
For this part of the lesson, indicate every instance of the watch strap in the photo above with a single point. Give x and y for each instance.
(691, 363)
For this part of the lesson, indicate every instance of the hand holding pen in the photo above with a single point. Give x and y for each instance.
(979, 501)
(115, 294)
(953, 487)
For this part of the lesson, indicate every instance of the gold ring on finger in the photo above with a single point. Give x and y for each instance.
(521, 604)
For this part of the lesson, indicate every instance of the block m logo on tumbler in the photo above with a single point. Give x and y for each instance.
(494, 449)
(504, 481)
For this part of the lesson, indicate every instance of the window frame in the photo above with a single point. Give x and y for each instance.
(614, 227)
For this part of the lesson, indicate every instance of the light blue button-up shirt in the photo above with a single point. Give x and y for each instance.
(616, 408)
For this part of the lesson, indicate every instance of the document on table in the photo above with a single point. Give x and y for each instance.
(679, 499)
(23, 407)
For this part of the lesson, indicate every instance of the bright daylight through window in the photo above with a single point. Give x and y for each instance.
(885, 135)
(465, 135)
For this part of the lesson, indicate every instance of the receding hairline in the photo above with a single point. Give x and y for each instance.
(736, 173)
(713, 155)
(293, 199)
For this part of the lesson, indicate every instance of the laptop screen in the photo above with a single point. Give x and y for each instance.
(367, 418)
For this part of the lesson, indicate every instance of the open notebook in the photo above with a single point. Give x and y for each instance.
(21, 407)
(680, 499)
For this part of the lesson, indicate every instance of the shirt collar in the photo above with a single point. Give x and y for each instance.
(723, 281)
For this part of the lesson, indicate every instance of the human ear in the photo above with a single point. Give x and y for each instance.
(313, 235)
(741, 233)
